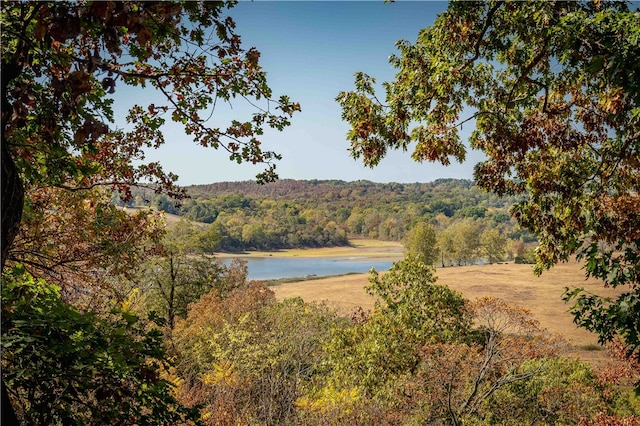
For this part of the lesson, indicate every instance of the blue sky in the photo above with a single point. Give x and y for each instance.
(311, 51)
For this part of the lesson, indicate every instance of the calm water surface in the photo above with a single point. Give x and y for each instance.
(268, 268)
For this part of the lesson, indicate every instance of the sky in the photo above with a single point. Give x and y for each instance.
(311, 51)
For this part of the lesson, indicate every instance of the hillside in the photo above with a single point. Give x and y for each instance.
(316, 213)
(443, 195)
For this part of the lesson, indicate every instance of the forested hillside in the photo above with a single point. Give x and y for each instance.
(315, 213)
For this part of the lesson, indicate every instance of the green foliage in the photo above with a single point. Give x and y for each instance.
(492, 245)
(408, 291)
(551, 89)
(182, 272)
(562, 391)
(410, 311)
(426, 356)
(63, 366)
(608, 316)
(208, 241)
(465, 240)
(421, 243)
(447, 247)
(248, 358)
(293, 213)
(473, 212)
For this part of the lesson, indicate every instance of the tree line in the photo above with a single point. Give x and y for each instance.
(292, 214)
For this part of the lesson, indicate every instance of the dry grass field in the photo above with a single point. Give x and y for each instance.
(514, 283)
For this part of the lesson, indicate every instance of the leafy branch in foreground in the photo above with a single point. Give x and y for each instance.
(63, 63)
(552, 91)
(64, 366)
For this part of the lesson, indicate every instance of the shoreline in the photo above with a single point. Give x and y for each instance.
(360, 248)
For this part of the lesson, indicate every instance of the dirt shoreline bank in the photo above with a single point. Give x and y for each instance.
(359, 248)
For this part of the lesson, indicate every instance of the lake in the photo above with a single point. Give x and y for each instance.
(269, 268)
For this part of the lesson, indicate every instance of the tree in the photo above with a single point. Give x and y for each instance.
(421, 243)
(459, 378)
(466, 237)
(410, 311)
(248, 358)
(493, 245)
(553, 89)
(408, 290)
(82, 243)
(181, 273)
(62, 61)
(447, 247)
(253, 236)
(65, 366)
(564, 391)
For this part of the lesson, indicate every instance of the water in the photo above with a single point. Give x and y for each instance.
(268, 268)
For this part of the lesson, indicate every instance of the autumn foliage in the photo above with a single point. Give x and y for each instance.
(549, 92)
(108, 318)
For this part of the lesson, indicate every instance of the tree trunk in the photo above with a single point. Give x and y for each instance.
(12, 205)
(12, 201)
(12, 189)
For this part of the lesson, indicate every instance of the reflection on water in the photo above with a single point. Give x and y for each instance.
(267, 268)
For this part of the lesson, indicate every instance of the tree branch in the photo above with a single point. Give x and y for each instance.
(487, 24)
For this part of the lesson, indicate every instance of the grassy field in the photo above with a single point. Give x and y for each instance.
(513, 283)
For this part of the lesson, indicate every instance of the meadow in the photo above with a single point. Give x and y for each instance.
(514, 283)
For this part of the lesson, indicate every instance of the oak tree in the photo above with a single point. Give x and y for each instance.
(63, 61)
(552, 91)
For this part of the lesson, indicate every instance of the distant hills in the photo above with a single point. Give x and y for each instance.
(313, 213)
